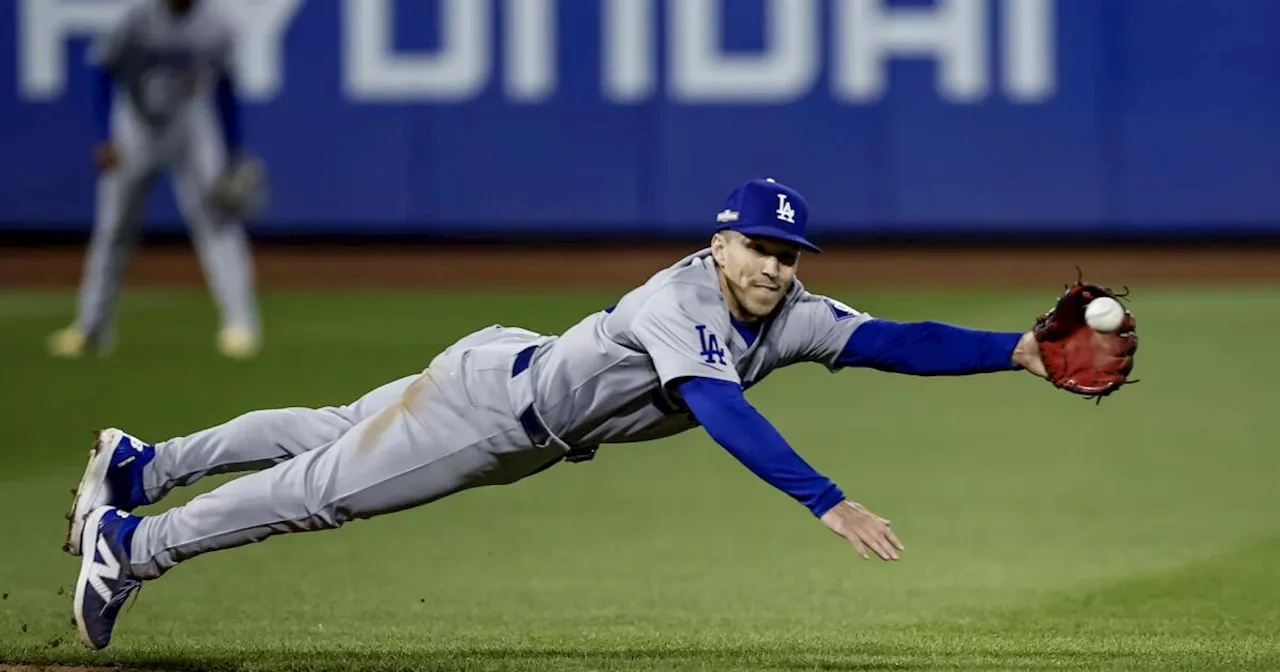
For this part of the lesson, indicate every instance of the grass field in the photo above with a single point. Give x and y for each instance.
(1041, 531)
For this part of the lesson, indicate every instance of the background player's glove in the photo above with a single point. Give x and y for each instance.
(1077, 358)
(240, 192)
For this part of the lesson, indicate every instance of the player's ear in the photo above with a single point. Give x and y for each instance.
(718, 244)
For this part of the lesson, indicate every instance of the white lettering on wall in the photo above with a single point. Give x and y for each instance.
(530, 50)
(374, 71)
(630, 70)
(1028, 46)
(262, 25)
(783, 71)
(871, 34)
(864, 38)
(45, 27)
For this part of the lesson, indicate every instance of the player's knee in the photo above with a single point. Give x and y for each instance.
(280, 427)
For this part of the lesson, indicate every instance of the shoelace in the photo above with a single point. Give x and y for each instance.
(128, 587)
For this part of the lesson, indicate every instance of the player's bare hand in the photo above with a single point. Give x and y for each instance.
(1027, 355)
(866, 531)
(105, 157)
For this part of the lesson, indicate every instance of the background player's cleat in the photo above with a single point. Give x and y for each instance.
(69, 342)
(105, 582)
(73, 342)
(238, 343)
(112, 477)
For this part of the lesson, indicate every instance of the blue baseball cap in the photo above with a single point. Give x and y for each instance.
(766, 209)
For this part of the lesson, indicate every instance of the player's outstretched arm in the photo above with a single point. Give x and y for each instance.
(938, 349)
(725, 413)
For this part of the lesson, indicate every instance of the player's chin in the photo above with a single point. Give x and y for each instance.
(761, 302)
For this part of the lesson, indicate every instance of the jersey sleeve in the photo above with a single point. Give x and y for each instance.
(684, 328)
(106, 50)
(224, 51)
(819, 327)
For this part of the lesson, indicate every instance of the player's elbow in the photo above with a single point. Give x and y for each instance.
(708, 393)
(720, 407)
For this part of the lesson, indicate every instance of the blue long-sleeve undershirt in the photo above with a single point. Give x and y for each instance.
(739, 428)
(100, 91)
(928, 349)
(229, 113)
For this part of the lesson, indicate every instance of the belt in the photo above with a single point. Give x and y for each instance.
(533, 425)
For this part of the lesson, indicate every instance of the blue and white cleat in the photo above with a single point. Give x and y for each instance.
(113, 477)
(104, 582)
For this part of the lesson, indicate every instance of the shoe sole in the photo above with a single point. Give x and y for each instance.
(88, 537)
(92, 485)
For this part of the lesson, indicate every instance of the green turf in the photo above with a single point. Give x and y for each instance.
(1041, 530)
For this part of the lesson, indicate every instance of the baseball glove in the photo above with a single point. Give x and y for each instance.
(1077, 358)
(240, 192)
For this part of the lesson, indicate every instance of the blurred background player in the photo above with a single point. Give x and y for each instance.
(159, 74)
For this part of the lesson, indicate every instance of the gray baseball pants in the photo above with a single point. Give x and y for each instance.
(191, 151)
(454, 426)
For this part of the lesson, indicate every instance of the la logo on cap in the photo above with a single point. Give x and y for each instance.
(785, 212)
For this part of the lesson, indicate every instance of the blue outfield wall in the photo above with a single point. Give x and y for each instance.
(448, 117)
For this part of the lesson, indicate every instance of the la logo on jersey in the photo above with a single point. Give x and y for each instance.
(785, 212)
(711, 348)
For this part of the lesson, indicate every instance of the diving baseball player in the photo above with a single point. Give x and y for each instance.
(503, 403)
(159, 74)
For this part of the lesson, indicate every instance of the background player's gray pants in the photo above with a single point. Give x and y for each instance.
(192, 152)
(407, 443)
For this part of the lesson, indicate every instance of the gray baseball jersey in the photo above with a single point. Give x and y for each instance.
(605, 380)
(164, 63)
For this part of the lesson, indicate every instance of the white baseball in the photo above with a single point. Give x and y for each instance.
(1104, 314)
